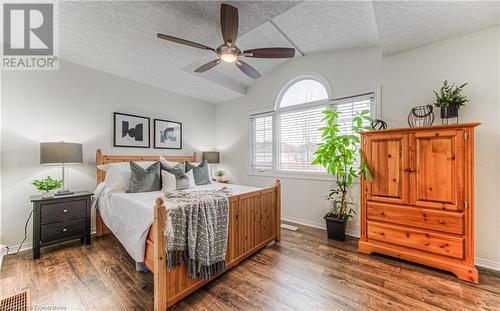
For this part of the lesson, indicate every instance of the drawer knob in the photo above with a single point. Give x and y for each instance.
(440, 221)
(65, 210)
(64, 229)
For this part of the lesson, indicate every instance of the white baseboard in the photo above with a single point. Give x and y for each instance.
(485, 263)
(29, 245)
(488, 264)
(319, 225)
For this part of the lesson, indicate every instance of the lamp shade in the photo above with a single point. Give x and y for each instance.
(60, 153)
(212, 157)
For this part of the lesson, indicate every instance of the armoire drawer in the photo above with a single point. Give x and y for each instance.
(449, 222)
(417, 239)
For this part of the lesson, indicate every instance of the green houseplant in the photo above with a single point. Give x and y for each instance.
(221, 175)
(450, 99)
(340, 154)
(46, 185)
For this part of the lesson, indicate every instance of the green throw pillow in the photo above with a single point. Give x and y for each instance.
(176, 170)
(144, 180)
(200, 173)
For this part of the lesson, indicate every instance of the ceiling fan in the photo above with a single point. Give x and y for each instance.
(228, 51)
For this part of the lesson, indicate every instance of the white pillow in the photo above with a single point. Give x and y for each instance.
(190, 176)
(118, 175)
(169, 183)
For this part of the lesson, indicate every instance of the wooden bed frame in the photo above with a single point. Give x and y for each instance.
(254, 222)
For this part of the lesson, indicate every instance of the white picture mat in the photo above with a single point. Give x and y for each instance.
(133, 121)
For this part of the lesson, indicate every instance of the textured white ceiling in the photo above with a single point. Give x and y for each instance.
(330, 25)
(119, 37)
(403, 25)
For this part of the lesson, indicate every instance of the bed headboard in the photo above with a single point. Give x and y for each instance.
(109, 158)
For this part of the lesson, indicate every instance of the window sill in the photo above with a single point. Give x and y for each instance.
(293, 175)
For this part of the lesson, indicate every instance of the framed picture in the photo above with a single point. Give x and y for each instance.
(167, 134)
(131, 131)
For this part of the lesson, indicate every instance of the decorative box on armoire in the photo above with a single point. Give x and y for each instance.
(420, 204)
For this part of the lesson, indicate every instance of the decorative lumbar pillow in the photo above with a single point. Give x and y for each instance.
(144, 180)
(171, 182)
(171, 167)
(200, 173)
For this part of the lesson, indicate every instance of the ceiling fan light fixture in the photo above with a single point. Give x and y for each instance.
(228, 57)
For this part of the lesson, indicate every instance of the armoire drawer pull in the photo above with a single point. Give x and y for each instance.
(64, 229)
(440, 221)
(65, 210)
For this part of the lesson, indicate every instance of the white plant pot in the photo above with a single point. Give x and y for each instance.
(47, 194)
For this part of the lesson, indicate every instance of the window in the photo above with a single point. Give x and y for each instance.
(286, 139)
(262, 128)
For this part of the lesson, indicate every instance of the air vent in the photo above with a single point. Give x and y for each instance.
(17, 302)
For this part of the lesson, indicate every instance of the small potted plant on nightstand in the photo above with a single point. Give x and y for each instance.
(340, 155)
(450, 99)
(47, 186)
(221, 176)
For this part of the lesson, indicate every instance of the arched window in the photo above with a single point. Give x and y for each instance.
(285, 139)
(305, 90)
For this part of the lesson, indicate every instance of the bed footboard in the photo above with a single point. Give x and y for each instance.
(254, 222)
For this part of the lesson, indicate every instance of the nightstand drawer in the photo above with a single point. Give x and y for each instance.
(62, 230)
(63, 210)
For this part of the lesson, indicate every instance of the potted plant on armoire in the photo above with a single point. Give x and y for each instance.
(340, 155)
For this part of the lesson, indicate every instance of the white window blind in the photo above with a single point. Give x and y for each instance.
(287, 138)
(262, 149)
(299, 136)
(347, 109)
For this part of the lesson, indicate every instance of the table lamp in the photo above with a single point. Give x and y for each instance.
(61, 154)
(212, 157)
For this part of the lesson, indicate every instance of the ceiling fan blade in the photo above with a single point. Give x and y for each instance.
(270, 53)
(229, 23)
(208, 65)
(247, 69)
(185, 42)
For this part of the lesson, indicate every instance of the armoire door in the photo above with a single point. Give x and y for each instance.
(437, 169)
(388, 158)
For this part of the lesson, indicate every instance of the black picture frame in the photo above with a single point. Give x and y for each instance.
(156, 134)
(145, 131)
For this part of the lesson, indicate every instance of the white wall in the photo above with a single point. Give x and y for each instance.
(474, 58)
(76, 104)
(348, 72)
(407, 79)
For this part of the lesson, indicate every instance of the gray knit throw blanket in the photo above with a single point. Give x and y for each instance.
(196, 231)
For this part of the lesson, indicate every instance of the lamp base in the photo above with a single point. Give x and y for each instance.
(63, 192)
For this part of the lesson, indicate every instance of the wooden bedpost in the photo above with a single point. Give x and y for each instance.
(277, 184)
(98, 161)
(160, 257)
(99, 178)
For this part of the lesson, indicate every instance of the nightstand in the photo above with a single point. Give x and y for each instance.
(60, 218)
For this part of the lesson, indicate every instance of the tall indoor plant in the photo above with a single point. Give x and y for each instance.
(340, 154)
(450, 99)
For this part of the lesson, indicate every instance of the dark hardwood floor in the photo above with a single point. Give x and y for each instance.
(305, 271)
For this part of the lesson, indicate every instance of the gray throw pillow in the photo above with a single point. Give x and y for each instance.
(144, 180)
(176, 170)
(200, 173)
(181, 182)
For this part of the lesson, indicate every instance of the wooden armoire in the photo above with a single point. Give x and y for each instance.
(420, 204)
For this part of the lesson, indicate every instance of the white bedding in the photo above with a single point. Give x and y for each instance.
(129, 215)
